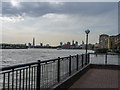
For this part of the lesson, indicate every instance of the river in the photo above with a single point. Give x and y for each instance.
(19, 56)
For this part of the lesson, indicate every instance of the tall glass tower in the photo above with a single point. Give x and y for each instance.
(33, 42)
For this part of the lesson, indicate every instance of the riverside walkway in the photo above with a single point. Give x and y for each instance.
(73, 72)
(98, 78)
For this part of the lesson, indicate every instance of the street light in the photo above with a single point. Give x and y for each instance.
(87, 32)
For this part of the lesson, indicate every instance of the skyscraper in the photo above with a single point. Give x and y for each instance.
(73, 42)
(76, 44)
(33, 42)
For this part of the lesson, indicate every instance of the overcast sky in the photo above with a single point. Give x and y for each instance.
(53, 22)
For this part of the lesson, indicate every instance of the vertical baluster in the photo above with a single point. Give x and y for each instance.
(29, 77)
(16, 79)
(77, 61)
(26, 78)
(58, 75)
(23, 79)
(70, 65)
(8, 80)
(20, 81)
(47, 73)
(51, 74)
(106, 58)
(43, 75)
(42, 82)
(82, 59)
(88, 58)
(4, 81)
(32, 79)
(12, 79)
(38, 75)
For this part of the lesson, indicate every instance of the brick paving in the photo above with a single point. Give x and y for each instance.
(98, 78)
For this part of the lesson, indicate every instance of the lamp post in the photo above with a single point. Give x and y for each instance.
(87, 32)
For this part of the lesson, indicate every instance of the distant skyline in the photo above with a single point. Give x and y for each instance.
(52, 23)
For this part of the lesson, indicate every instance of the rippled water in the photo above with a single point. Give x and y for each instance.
(17, 56)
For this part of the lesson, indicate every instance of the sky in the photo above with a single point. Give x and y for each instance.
(55, 22)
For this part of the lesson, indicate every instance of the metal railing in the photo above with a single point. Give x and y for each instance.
(40, 74)
(105, 58)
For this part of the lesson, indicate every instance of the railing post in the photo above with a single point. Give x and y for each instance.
(38, 75)
(70, 65)
(82, 59)
(58, 75)
(77, 62)
(88, 58)
(12, 79)
(106, 58)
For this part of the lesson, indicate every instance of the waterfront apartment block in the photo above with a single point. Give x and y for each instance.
(112, 42)
(118, 42)
(103, 41)
(109, 42)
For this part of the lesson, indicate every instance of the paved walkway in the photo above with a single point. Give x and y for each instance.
(98, 78)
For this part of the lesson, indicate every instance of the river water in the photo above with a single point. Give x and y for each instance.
(19, 56)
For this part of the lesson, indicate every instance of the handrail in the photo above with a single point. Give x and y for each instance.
(105, 53)
(17, 66)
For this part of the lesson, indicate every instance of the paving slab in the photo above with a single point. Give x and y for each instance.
(99, 78)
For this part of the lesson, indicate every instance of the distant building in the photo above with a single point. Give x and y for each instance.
(73, 42)
(90, 46)
(29, 44)
(76, 44)
(13, 46)
(103, 40)
(111, 42)
(118, 42)
(47, 45)
(82, 42)
(33, 42)
(61, 44)
(41, 44)
(82, 46)
(68, 43)
(96, 46)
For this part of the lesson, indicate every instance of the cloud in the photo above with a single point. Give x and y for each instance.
(66, 0)
(11, 19)
(37, 9)
(55, 22)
